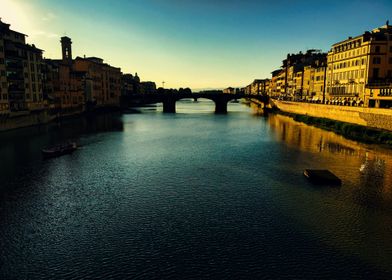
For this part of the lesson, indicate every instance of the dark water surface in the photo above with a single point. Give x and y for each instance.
(192, 195)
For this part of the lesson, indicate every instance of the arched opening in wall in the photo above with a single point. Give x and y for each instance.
(192, 106)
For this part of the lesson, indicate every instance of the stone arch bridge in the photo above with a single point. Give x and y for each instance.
(169, 99)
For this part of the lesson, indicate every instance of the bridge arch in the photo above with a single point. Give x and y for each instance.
(169, 103)
(221, 100)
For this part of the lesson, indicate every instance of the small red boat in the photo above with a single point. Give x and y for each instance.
(59, 150)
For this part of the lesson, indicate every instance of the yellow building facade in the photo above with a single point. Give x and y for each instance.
(359, 63)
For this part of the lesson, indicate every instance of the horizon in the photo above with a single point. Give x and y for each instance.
(200, 45)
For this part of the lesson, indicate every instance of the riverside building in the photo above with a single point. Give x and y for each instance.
(64, 87)
(258, 86)
(20, 73)
(102, 82)
(360, 69)
(301, 77)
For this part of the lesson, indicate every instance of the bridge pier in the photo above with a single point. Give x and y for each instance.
(169, 106)
(220, 106)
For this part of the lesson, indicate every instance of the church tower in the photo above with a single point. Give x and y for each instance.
(66, 49)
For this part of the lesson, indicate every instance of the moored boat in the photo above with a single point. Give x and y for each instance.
(59, 150)
(322, 177)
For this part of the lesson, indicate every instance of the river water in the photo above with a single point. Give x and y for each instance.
(192, 195)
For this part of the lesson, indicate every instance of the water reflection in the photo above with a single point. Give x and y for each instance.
(192, 195)
(18, 148)
(366, 169)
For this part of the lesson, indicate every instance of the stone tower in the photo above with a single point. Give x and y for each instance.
(66, 49)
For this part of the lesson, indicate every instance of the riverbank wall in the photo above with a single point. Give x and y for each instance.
(16, 120)
(24, 119)
(369, 117)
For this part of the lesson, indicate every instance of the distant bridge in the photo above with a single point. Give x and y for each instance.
(169, 99)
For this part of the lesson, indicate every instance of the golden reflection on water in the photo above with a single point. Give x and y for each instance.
(366, 168)
(366, 173)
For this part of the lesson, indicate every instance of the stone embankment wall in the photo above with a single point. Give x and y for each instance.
(19, 120)
(371, 117)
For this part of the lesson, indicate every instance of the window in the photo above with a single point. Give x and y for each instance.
(376, 60)
(376, 72)
(390, 49)
(377, 49)
(1, 60)
(390, 60)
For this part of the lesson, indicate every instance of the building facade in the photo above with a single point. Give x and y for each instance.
(257, 87)
(300, 78)
(20, 73)
(64, 87)
(359, 65)
(148, 87)
(102, 81)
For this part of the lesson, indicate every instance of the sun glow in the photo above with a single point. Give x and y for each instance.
(16, 13)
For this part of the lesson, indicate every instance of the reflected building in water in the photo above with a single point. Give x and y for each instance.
(366, 168)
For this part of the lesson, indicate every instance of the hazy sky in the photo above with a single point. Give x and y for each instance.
(186, 43)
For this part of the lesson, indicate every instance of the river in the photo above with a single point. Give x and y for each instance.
(192, 195)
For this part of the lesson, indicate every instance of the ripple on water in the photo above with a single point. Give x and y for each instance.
(194, 196)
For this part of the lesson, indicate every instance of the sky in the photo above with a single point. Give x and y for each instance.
(187, 43)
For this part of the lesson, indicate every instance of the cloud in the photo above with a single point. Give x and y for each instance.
(49, 17)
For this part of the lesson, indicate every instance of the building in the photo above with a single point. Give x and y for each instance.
(318, 81)
(128, 84)
(257, 87)
(20, 73)
(298, 70)
(360, 69)
(63, 86)
(102, 81)
(148, 87)
(310, 81)
(231, 90)
(278, 77)
(379, 95)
